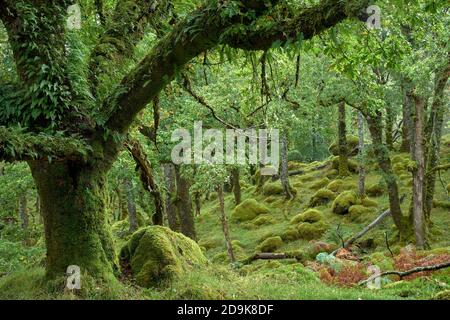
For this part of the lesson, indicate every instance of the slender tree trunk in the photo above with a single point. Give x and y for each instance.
(131, 205)
(433, 138)
(235, 180)
(284, 176)
(197, 203)
(384, 162)
(171, 209)
(406, 113)
(73, 207)
(184, 205)
(418, 155)
(389, 127)
(362, 170)
(23, 210)
(223, 220)
(342, 141)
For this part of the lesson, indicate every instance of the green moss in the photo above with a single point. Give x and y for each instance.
(441, 204)
(352, 164)
(344, 201)
(311, 231)
(359, 213)
(270, 244)
(376, 190)
(209, 243)
(331, 173)
(366, 202)
(310, 215)
(263, 220)
(335, 185)
(249, 209)
(352, 146)
(448, 188)
(443, 295)
(297, 184)
(322, 183)
(290, 235)
(379, 259)
(321, 197)
(272, 188)
(156, 255)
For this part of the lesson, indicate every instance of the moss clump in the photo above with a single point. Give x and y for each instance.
(270, 244)
(310, 215)
(290, 235)
(209, 243)
(344, 201)
(376, 190)
(381, 260)
(297, 184)
(331, 173)
(443, 295)
(352, 164)
(366, 202)
(441, 204)
(263, 220)
(352, 146)
(335, 185)
(249, 209)
(157, 254)
(311, 231)
(272, 188)
(322, 183)
(359, 213)
(321, 197)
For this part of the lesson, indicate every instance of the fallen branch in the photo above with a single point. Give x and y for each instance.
(402, 274)
(271, 256)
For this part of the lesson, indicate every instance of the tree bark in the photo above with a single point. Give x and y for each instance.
(224, 222)
(342, 141)
(284, 176)
(362, 170)
(406, 113)
(389, 130)
(171, 209)
(384, 162)
(418, 155)
(235, 180)
(184, 205)
(131, 205)
(73, 207)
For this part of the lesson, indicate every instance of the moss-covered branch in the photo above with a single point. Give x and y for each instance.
(16, 145)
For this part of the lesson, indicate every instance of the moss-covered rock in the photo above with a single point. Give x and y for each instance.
(344, 201)
(263, 220)
(376, 190)
(352, 164)
(366, 202)
(209, 243)
(311, 231)
(310, 215)
(335, 185)
(290, 234)
(352, 146)
(272, 188)
(321, 197)
(249, 209)
(322, 183)
(270, 244)
(443, 295)
(358, 213)
(157, 254)
(332, 173)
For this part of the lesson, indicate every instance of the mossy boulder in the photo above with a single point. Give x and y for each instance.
(335, 185)
(358, 213)
(344, 201)
(310, 215)
(352, 146)
(209, 243)
(311, 231)
(157, 254)
(270, 244)
(352, 164)
(321, 197)
(331, 173)
(376, 190)
(272, 188)
(263, 220)
(322, 183)
(369, 203)
(290, 234)
(249, 209)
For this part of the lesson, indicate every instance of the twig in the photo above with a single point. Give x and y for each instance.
(387, 244)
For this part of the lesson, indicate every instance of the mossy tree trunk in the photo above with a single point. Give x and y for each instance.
(184, 205)
(224, 222)
(23, 210)
(342, 141)
(131, 204)
(73, 207)
(433, 134)
(382, 154)
(171, 209)
(389, 130)
(284, 175)
(235, 180)
(418, 155)
(361, 167)
(406, 114)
